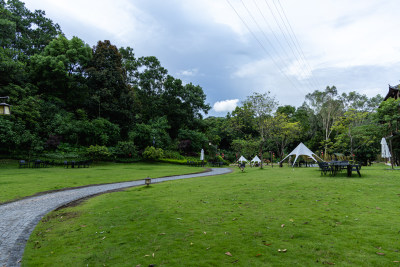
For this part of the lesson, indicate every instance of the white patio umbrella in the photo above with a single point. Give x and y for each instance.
(202, 154)
(385, 149)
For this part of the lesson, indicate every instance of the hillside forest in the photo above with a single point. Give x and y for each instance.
(70, 100)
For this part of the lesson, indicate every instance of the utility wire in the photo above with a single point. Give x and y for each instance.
(301, 59)
(284, 34)
(297, 43)
(265, 35)
(260, 43)
(277, 39)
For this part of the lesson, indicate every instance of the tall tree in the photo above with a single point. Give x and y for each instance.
(183, 104)
(59, 71)
(262, 106)
(111, 98)
(32, 30)
(242, 122)
(328, 107)
(281, 131)
(388, 114)
(346, 127)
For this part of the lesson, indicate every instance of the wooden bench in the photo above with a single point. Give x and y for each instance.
(23, 164)
(324, 168)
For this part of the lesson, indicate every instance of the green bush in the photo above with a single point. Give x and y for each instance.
(152, 153)
(98, 152)
(125, 150)
(174, 161)
(220, 159)
(169, 154)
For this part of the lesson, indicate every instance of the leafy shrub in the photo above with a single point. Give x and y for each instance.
(63, 156)
(174, 161)
(125, 150)
(152, 153)
(98, 152)
(191, 141)
(220, 159)
(169, 154)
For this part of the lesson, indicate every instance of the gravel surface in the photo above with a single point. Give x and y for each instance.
(19, 218)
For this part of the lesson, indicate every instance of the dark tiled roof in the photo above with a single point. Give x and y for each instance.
(393, 92)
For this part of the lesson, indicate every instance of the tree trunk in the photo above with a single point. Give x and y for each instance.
(391, 152)
(261, 156)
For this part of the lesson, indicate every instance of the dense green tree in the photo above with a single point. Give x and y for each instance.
(358, 102)
(349, 139)
(288, 110)
(219, 132)
(59, 71)
(242, 122)
(148, 84)
(32, 30)
(281, 131)
(388, 114)
(156, 130)
(110, 97)
(262, 105)
(246, 147)
(329, 108)
(191, 141)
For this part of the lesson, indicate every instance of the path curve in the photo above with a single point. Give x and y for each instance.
(19, 218)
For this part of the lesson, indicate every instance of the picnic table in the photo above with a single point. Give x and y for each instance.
(37, 163)
(335, 167)
(79, 164)
(338, 166)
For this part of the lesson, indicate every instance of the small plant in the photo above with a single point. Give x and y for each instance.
(169, 154)
(125, 150)
(152, 153)
(98, 152)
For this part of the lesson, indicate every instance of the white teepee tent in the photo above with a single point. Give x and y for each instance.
(302, 150)
(256, 159)
(242, 159)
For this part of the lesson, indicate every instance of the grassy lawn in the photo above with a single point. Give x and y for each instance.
(270, 217)
(16, 183)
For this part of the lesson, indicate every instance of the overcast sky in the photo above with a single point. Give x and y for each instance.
(232, 48)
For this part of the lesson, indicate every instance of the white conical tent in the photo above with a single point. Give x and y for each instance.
(256, 159)
(302, 150)
(242, 159)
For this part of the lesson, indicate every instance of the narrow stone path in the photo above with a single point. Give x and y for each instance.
(19, 218)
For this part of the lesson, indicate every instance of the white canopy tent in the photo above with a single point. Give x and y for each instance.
(302, 150)
(256, 159)
(242, 159)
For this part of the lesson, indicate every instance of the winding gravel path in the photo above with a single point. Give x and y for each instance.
(19, 218)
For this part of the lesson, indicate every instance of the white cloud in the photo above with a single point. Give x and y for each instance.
(256, 68)
(189, 72)
(299, 70)
(345, 34)
(226, 105)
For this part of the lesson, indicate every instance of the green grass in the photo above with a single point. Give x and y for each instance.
(16, 183)
(318, 220)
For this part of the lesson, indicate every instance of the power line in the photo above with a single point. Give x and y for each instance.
(287, 39)
(297, 44)
(277, 39)
(260, 43)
